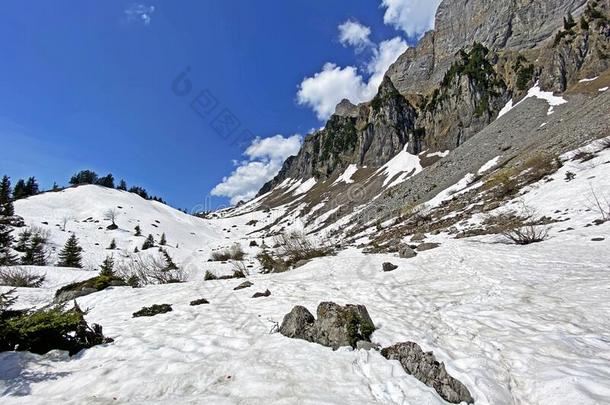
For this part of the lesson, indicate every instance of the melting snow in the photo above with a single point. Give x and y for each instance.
(489, 165)
(588, 80)
(403, 164)
(346, 177)
(536, 92)
(603, 89)
(305, 187)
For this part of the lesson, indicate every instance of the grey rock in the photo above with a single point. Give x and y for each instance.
(346, 109)
(428, 370)
(297, 323)
(200, 301)
(262, 294)
(65, 296)
(364, 345)
(418, 237)
(245, 284)
(405, 252)
(389, 267)
(427, 246)
(336, 326)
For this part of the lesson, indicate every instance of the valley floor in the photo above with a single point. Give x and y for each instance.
(525, 325)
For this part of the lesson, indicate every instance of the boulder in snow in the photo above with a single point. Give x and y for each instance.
(405, 252)
(389, 266)
(428, 370)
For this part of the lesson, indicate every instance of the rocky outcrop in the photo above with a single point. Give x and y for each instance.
(83, 288)
(428, 370)
(337, 326)
(499, 25)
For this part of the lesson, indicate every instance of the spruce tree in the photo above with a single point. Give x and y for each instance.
(106, 181)
(138, 230)
(35, 253)
(6, 203)
(23, 241)
(20, 190)
(107, 267)
(122, 185)
(163, 240)
(7, 258)
(168, 262)
(70, 255)
(149, 242)
(112, 245)
(136, 250)
(55, 187)
(31, 187)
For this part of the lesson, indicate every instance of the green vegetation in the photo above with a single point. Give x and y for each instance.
(480, 72)
(70, 254)
(44, 330)
(524, 76)
(340, 136)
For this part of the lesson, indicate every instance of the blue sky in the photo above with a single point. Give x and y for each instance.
(91, 85)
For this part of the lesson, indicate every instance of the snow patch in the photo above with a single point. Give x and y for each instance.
(305, 187)
(588, 80)
(536, 92)
(603, 89)
(402, 165)
(346, 177)
(489, 165)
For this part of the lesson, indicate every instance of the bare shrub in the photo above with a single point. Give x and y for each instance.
(111, 215)
(601, 203)
(527, 234)
(521, 228)
(20, 277)
(235, 252)
(239, 269)
(291, 248)
(584, 156)
(149, 270)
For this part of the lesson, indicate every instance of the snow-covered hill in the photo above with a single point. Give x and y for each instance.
(516, 324)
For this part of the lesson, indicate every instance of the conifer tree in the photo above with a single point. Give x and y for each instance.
(23, 241)
(7, 258)
(55, 187)
(107, 267)
(136, 250)
(19, 191)
(70, 255)
(106, 181)
(6, 203)
(112, 245)
(138, 230)
(149, 242)
(163, 240)
(122, 185)
(35, 253)
(31, 187)
(168, 262)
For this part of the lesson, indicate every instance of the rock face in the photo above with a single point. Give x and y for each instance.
(428, 370)
(336, 326)
(508, 25)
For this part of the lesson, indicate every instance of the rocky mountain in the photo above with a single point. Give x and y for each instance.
(482, 56)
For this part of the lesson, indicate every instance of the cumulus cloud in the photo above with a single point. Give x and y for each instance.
(414, 17)
(352, 33)
(140, 13)
(325, 89)
(265, 157)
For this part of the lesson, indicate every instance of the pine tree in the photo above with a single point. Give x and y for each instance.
(168, 262)
(6, 203)
(107, 267)
(122, 185)
(7, 258)
(149, 242)
(31, 187)
(106, 181)
(23, 241)
(19, 191)
(138, 230)
(84, 177)
(112, 245)
(70, 255)
(35, 253)
(163, 240)
(136, 250)
(55, 187)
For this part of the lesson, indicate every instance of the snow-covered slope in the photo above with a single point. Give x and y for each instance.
(83, 210)
(516, 324)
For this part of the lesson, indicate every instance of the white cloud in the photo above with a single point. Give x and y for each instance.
(324, 90)
(265, 159)
(352, 33)
(414, 17)
(139, 12)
